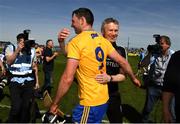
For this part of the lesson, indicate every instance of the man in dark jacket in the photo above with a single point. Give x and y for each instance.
(172, 88)
(114, 73)
(48, 65)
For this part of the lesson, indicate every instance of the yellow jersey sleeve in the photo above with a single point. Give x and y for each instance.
(73, 50)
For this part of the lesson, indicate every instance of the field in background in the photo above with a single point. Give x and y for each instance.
(131, 95)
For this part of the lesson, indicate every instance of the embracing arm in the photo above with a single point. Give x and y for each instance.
(105, 78)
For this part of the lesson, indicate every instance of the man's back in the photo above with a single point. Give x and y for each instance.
(91, 49)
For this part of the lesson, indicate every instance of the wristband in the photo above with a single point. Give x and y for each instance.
(110, 78)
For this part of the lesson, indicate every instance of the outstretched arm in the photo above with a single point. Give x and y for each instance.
(65, 83)
(125, 66)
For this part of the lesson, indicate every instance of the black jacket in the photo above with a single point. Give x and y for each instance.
(112, 68)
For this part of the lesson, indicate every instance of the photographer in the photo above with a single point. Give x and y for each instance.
(21, 64)
(157, 60)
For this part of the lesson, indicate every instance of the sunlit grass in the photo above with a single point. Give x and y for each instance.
(130, 94)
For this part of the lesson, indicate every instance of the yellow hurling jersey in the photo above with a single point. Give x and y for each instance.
(91, 49)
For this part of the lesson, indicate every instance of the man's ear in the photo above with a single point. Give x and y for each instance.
(82, 20)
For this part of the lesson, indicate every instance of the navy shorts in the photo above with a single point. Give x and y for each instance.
(89, 114)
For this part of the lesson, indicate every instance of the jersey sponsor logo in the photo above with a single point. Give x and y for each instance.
(112, 64)
(93, 35)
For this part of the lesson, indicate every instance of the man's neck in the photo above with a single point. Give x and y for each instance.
(165, 53)
(112, 41)
(88, 28)
(49, 47)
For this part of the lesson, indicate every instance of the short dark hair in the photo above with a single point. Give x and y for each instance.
(48, 41)
(167, 39)
(21, 35)
(84, 12)
(107, 21)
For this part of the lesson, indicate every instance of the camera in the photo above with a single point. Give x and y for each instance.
(28, 44)
(156, 48)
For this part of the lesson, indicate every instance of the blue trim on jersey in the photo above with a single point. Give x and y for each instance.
(89, 114)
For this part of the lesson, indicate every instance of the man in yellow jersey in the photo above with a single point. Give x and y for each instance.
(87, 53)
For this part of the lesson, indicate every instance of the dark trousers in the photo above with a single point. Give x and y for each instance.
(177, 109)
(21, 95)
(114, 110)
(153, 94)
(178, 117)
(47, 81)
